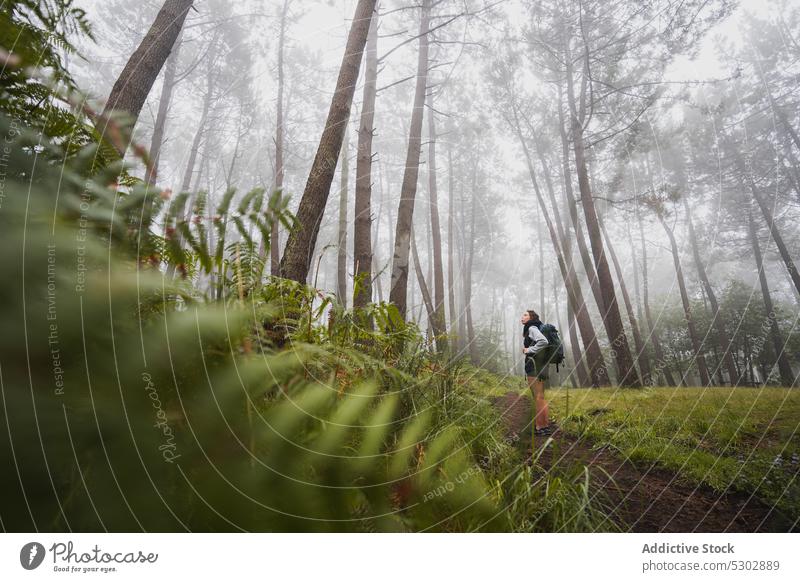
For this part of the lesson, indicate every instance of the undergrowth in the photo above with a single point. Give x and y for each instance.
(741, 439)
(154, 379)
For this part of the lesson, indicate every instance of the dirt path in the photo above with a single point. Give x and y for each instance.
(642, 498)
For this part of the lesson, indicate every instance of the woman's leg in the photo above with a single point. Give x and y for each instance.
(537, 392)
(542, 409)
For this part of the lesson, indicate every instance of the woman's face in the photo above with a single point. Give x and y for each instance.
(525, 317)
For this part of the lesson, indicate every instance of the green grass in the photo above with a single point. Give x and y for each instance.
(740, 439)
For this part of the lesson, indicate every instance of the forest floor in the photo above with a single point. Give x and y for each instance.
(675, 460)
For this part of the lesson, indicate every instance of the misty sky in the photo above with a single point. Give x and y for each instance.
(321, 30)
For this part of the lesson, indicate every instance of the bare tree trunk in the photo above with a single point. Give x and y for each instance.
(784, 368)
(376, 268)
(746, 170)
(391, 222)
(569, 195)
(157, 140)
(423, 286)
(134, 83)
(300, 245)
(341, 250)
(579, 368)
(462, 264)
(473, 347)
(560, 327)
(451, 293)
(201, 168)
(467, 275)
(779, 112)
(385, 205)
(186, 182)
(504, 332)
(374, 256)
(566, 250)
(275, 233)
(636, 286)
(429, 245)
(661, 364)
(216, 277)
(235, 156)
(362, 223)
(438, 321)
(626, 371)
(723, 342)
(198, 135)
(641, 353)
(597, 367)
(790, 163)
(542, 306)
(705, 379)
(408, 191)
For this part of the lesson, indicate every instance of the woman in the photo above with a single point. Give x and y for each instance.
(535, 345)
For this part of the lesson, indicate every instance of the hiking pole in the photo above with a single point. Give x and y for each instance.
(533, 427)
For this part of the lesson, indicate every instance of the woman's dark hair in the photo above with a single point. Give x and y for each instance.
(534, 316)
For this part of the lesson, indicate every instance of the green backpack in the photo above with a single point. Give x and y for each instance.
(554, 351)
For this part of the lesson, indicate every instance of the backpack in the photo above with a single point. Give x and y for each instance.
(555, 349)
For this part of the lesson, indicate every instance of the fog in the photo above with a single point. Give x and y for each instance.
(688, 111)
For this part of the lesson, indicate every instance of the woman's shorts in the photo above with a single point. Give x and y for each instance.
(535, 367)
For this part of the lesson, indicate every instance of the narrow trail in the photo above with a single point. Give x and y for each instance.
(642, 498)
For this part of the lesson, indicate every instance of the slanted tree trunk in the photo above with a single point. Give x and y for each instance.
(240, 133)
(784, 368)
(408, 191)
(778, 111)
(195, 188)
(783, 250)
(423, 286)
(597, 368)
(134, 83)
(296, 260)
(641, 353)
(723, 342)
(697, 346)
(275, 233)
(186, 182)
(157, 139)
(542, 305)
(562, 228)
(626, 371)
(789, 161)
(661, 361)
(560, 327)
(341, 250)
(362, 223)
(569, 195)
(579, 367)
(438, 321)
(198, 134)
